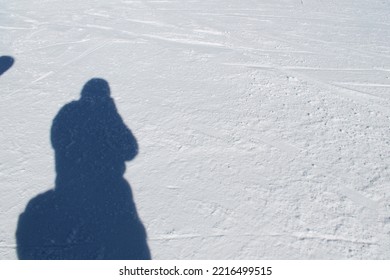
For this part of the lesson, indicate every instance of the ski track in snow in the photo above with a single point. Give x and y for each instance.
(264, 125)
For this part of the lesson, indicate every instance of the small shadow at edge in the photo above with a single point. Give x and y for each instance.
(6, 63)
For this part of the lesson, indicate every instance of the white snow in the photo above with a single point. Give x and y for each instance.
(263, 126)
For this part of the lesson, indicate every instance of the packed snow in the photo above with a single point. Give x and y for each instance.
(263, 127)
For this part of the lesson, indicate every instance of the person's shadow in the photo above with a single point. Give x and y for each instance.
(6, 63)
(90, 214)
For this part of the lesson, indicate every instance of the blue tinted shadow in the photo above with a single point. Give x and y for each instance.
(90, 213)
(6, 63)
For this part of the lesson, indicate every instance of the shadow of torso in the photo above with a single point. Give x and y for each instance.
(90, 214)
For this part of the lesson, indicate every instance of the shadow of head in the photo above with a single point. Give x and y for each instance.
(96, 89)
(6, 63)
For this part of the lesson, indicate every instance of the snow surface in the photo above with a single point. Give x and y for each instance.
(263, 126)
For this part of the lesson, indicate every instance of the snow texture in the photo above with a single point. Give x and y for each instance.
(260, 129)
